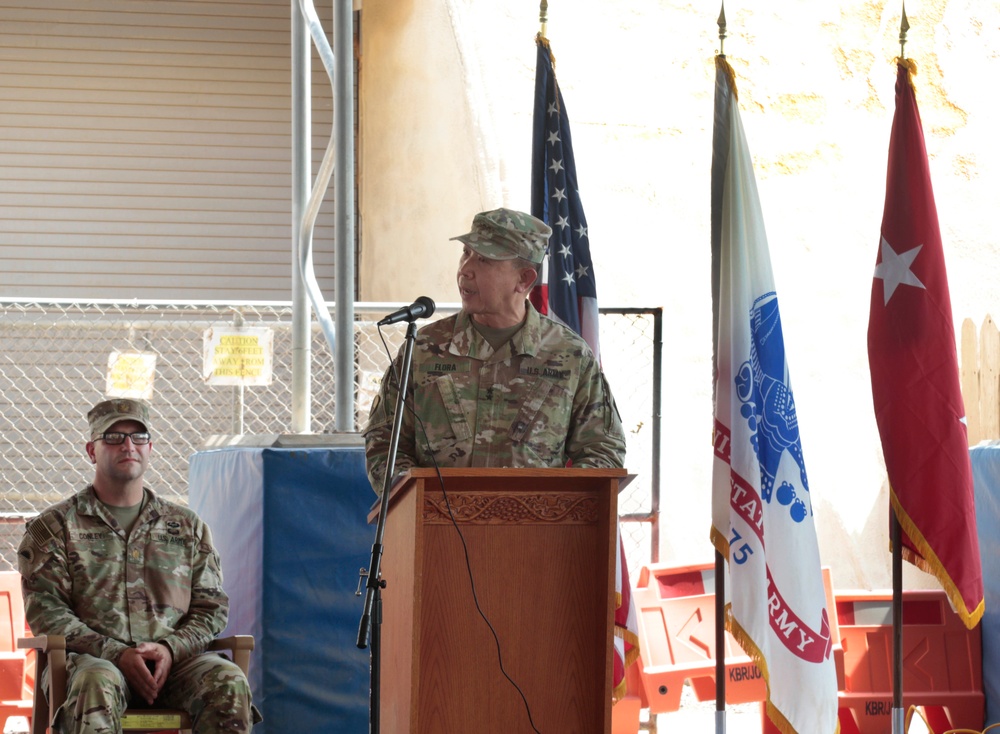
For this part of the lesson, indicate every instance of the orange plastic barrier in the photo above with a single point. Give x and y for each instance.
(625, 714)
(15, 697)
(676, 616)
(942, 662)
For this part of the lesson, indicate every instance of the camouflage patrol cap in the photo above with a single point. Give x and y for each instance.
(505, 234)
(108, 412)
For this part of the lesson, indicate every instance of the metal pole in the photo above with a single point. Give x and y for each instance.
(372, 614)
(238, 394)
(904, 26)
(898, 716)
(720, 562)
(375, 566)
(343, 185)
(720, 643)
(897, 624)
(654, 540)
(301, 171)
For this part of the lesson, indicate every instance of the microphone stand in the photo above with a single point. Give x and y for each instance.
(374, 583)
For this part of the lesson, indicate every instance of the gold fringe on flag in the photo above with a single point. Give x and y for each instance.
(722, 65)
(779, 720)
(927, 560)
(910, 64)
(540, 38)
(751, 649)
(911, 70)
(630, 655)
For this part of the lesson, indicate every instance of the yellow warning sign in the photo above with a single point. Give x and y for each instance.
(238, 356)
(130, 375)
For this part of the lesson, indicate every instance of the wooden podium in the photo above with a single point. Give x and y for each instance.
(542, 549)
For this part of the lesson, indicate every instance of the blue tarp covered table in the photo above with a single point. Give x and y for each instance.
(291, 528)
(986, 476)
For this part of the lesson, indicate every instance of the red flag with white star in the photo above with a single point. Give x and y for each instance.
(914, 367)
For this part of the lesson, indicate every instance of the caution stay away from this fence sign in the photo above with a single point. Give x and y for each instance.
(238, 356)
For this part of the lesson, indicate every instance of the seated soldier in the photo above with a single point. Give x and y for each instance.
(134, 584)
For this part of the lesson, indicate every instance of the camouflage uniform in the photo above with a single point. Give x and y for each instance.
(83, 580)
(538, 401)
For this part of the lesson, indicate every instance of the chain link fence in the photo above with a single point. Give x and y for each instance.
(54, 365)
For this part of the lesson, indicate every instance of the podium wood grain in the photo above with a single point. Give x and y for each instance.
(542, 548)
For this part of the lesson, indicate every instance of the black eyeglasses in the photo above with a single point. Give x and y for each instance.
(115, 438)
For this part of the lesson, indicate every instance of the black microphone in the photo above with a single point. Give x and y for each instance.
(419, 309)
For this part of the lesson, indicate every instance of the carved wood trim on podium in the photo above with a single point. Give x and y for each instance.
(542, 547)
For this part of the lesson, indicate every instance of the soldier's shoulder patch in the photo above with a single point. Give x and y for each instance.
(42, 529)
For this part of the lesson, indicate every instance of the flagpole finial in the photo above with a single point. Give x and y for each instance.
(904, 26)
(543, 15)
(722, 30)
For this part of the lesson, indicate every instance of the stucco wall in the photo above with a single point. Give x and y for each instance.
(816, 93)
(421, 178)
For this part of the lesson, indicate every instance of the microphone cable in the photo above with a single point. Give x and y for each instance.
(465, 547)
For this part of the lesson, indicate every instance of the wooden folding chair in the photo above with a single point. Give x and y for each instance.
(51, 654)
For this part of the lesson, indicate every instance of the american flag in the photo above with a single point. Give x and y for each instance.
(567, 291)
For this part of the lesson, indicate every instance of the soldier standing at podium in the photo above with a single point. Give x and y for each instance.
(498, 384)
